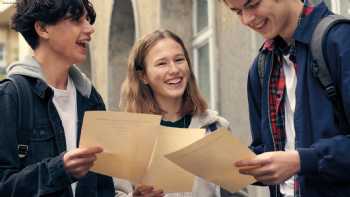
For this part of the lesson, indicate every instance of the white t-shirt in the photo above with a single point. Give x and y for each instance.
(65, 102)
(287, 188)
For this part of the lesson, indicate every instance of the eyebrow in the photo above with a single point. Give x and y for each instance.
(159, 59)
(244, 5)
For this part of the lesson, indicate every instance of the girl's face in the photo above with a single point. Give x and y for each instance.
(166, 70)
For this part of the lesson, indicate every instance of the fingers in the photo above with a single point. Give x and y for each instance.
(257, 171)
(79, 161)
(143, 189)
(147, 191)
(256, 162)
(156, 193)
(271, 167)
(85, 152)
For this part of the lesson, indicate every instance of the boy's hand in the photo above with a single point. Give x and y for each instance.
(78, 162)
(271, 167)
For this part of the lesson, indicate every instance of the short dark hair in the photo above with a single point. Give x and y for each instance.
(47, 12)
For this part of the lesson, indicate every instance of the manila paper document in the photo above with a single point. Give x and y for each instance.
(134, 146)
(212, 158)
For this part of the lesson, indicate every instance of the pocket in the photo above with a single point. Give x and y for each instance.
(42, 143)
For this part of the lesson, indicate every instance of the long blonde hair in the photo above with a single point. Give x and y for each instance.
(138, 97)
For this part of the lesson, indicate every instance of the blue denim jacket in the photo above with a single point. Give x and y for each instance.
(43, 174)
(322, 146)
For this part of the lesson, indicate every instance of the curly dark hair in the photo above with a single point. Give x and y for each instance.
(47, 12)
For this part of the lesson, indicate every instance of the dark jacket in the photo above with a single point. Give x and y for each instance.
(322, 146)
(44, 173)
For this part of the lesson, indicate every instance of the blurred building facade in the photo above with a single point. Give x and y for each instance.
(221, 49)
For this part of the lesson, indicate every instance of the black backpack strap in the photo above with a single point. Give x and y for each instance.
(25, 114)
(320, 67)
(321, 70)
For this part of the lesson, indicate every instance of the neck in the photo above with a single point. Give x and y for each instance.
(296, 9)
(54, 69)
(171, 108)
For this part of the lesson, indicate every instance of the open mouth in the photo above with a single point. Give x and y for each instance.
(174, 81)
(260, 24)
(82, 44)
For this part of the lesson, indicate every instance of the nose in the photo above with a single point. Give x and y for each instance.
(173, 67)
(247, 17)
(89, 28)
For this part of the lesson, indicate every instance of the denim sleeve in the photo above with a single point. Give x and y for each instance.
(329, 158)
(45, 177)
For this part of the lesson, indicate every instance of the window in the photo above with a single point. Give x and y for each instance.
(201, 15)
(203, 69)
(203, 49)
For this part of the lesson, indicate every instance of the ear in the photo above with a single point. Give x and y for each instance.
(142, 77)
(41, 30)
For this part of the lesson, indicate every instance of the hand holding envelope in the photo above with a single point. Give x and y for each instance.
(212, 158)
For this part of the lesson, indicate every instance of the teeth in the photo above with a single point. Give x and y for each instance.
(260, 24)
(174, 81)
(82, 44)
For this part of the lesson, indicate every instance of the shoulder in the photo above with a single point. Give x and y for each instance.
(337, 39)
(7, 88)
(210, 117)
(253, 73)
(8, 98)
(253, 70)
(96, 98)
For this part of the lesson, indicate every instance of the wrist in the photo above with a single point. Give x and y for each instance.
(296, 161)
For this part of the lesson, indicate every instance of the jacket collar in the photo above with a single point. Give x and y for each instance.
(307, 25)
(31, 68)
(207, 118)
(41, 89)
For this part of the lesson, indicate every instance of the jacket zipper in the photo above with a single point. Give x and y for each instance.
(268, 111)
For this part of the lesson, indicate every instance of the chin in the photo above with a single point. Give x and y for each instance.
(176, 95)
(269, 35)
(80, 60)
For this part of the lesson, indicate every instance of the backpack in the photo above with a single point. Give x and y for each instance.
(320, 67)
(25, 114)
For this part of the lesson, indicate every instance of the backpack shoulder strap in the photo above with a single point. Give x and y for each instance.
(321, 70)
(320, 67)
(25, 114)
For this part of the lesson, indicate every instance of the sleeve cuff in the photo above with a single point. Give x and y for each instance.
(308, 161)
(58, 175)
